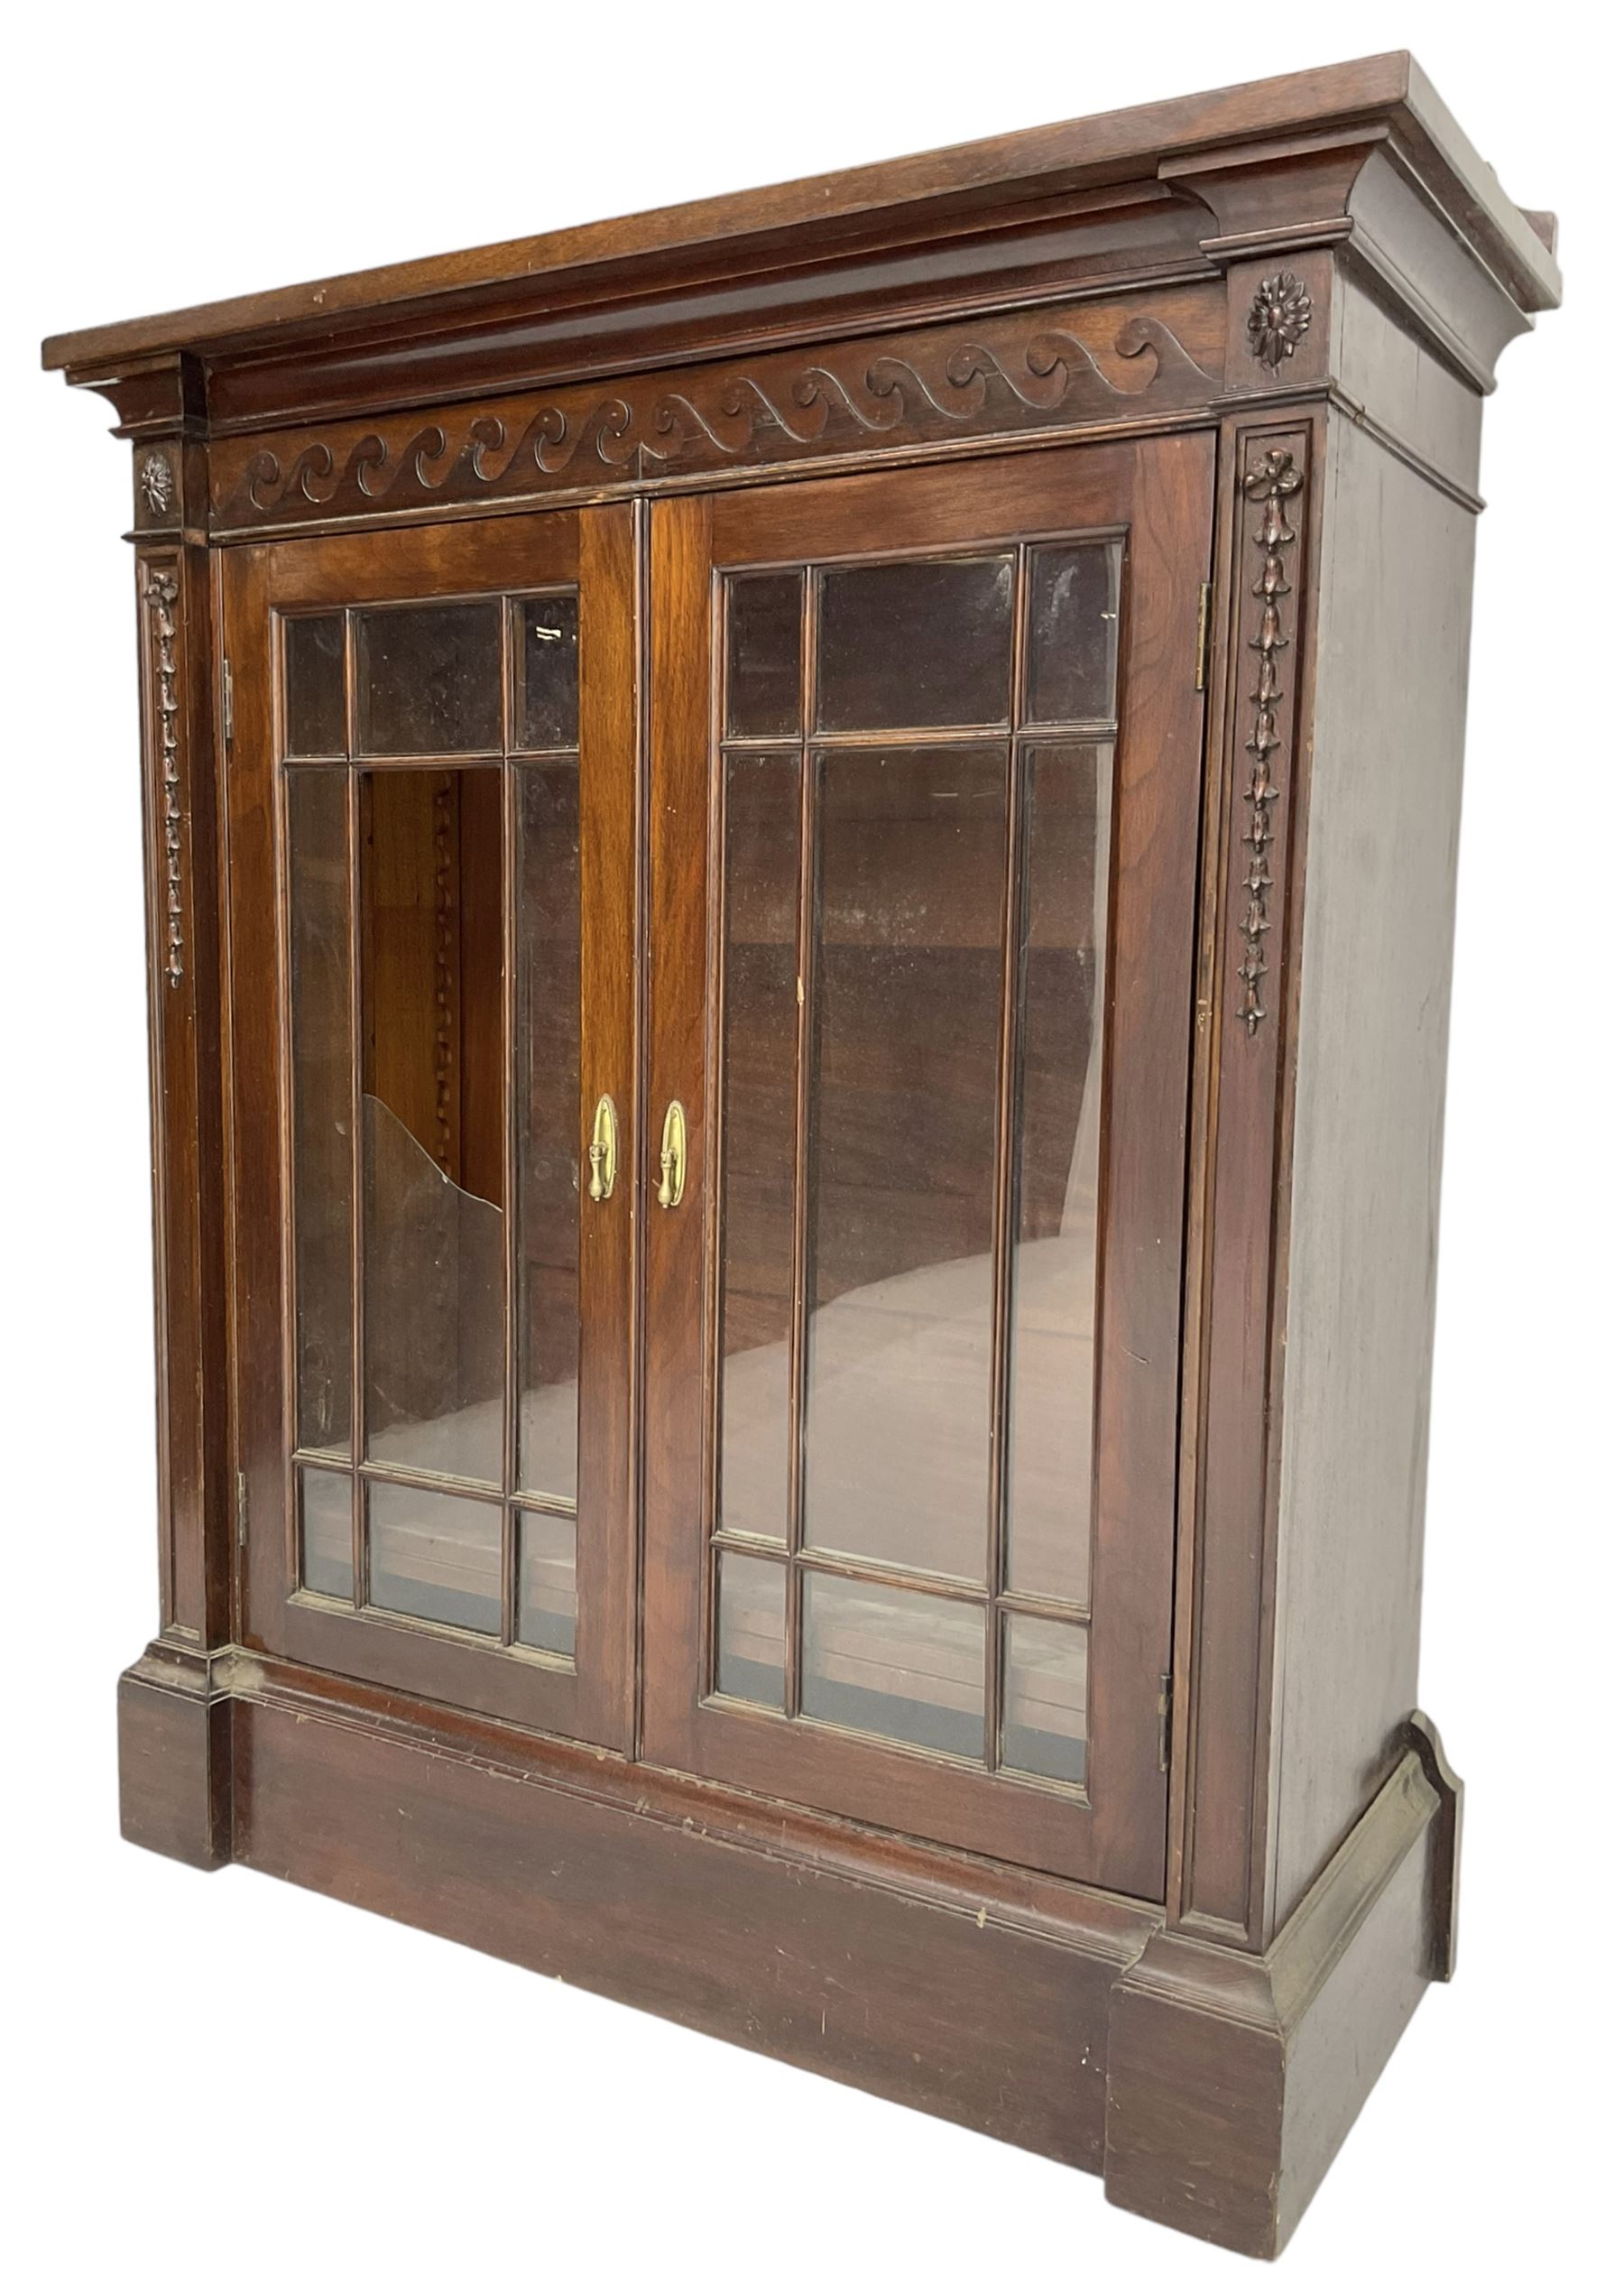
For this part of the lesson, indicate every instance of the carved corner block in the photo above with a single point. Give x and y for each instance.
(1279, 331)
(1232, 2078)
(157, 485)
(174, 1756)
(170, 489)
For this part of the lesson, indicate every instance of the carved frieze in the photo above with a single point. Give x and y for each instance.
(1049, 367)
(1272, 481)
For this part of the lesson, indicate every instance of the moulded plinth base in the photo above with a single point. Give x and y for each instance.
(174, 1755)
(1210, 2087)
(1233, 2077)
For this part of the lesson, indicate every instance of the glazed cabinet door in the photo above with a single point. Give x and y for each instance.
(926, 756)
(431, 831)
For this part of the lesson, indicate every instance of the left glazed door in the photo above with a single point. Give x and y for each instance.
(432, 823)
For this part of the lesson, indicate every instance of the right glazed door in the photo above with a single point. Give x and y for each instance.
(925, 807)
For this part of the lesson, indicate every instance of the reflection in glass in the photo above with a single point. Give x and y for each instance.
(407, 865)
(547, 1075)
(549, 670)
(433, 1556)
(433, 1312)
(749, 1630)
(428, 678)
(1057, 1169)
(313, 665)
(547, 1582)
(1045, 1699)
(873, 924)
(318, 944)
(900, 1665)
(325, 1555)
(914, 645)
(763, 656)
(907, 995)
(759, 1015)
(432, 1129)
(1072, 639)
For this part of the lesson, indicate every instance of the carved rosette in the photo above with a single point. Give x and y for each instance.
(160, 592)
(156, 477)
(1281, 313)
(1273, 481)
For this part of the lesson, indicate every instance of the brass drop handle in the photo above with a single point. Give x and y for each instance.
(673, 1157)
(602, 1152)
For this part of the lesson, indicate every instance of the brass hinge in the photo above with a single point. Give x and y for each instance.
(226, 698)
(1203, 633)
(242, 1505)
(1164, 1710)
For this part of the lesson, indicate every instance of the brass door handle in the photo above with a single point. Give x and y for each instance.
(602, 1152)
(673, 1157)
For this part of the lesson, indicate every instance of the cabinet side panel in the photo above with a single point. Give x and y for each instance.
(1377, 921)
(1400, 385)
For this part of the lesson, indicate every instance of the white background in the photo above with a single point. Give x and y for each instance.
(220, 2076)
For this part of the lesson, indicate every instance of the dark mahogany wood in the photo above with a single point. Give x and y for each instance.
(944, 192)
(1233, 2077)
(1247, 335)
(761, 1925)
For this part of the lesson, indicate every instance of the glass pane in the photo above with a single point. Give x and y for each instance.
(318, 941)
(432, 1129)
(900, 1665)
(433, 1556)
(1045, 1699)
(908, 997)
(549, 670)
(313, 662)
(749, 1630)
(763, 656)
(914, 646)
(547, 1583)
(759, 1014)
(547, 1049)
(1057, 1169)
(1071, 638)
(325, 1560)
(428, 678)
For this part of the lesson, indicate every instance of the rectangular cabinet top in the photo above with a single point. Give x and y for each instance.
(1165, 148)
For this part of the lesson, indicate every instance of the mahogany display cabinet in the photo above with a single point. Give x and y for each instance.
(801, 862)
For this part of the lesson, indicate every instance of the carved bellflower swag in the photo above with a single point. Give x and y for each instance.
(1273, 480)
(161, 588)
